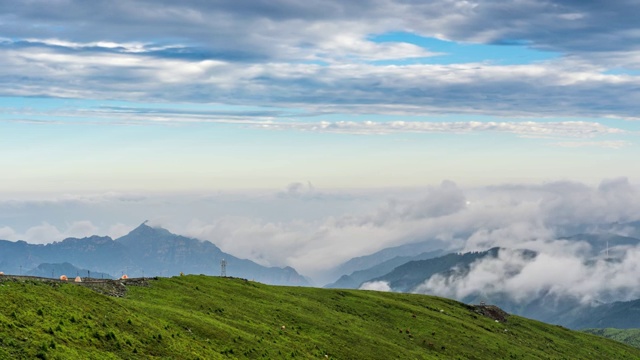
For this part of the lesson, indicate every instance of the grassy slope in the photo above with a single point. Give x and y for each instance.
(627, 336)
(208, 318)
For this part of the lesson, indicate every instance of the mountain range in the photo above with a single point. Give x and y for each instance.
(409, 274)
(386, 254)
(56, 270)
(145, 251)
(357, 278)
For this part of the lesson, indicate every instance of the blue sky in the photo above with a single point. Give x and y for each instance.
(453, 52)
(328, 111)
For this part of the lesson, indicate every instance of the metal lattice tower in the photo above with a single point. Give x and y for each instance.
(223, 268)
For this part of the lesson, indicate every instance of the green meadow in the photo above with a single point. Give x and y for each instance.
(202, 317)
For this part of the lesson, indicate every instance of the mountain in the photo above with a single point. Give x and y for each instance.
(14, 256)
(356, 278)
(371, 260)
(545, 306)
(55, 270)
(145, 251)
(97, 253)
(620, 315)
(407, 277)
(627, 336)
(162, 252)
(218, 318)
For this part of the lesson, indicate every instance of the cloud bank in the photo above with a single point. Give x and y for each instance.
(315, 230)
(551, 275)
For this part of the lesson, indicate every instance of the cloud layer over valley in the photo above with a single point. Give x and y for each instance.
(315, 230)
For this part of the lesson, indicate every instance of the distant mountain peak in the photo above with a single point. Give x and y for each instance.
(146, 230)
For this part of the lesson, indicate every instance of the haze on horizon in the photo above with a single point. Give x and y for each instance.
(306, 134)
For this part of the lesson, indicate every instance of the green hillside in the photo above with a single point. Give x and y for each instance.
(199, 317)
(627, 336)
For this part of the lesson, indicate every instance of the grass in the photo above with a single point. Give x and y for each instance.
(200, 317)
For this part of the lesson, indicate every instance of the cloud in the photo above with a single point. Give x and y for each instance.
(443, 200)
(118, 230)
(549, 275)
(315, 246)
(614, 144)
(314, 230)
(302, 121)
(43, 234)
(570, 26)
(514, 216)
(80, 229)
(322, 54)
(579, 129)
(7, 233)
(46, 233)
(376, 286)
(297, 190)
(348, 48)
(539, 216)
(498, 90)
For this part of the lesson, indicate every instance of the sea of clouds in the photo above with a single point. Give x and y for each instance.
(316, 230)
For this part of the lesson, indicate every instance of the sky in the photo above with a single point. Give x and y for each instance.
(295, 115)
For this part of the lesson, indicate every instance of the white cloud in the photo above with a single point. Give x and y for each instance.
(549, 274)
(282, 121)
(350, 48)
(43, 234)
(615, 144)
(418, 89)
(297, 190)
(376, 286)
(578, 129)
(80, 229)
(118, 230)
(47, 233)
(7, 233)
(536, 217)
(132, 47)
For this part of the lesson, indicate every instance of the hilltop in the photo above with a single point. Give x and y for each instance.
(212, 318)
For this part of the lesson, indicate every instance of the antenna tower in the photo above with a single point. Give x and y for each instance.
(223, 268)
(607, 250)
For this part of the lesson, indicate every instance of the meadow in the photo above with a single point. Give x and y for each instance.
(203, 317)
